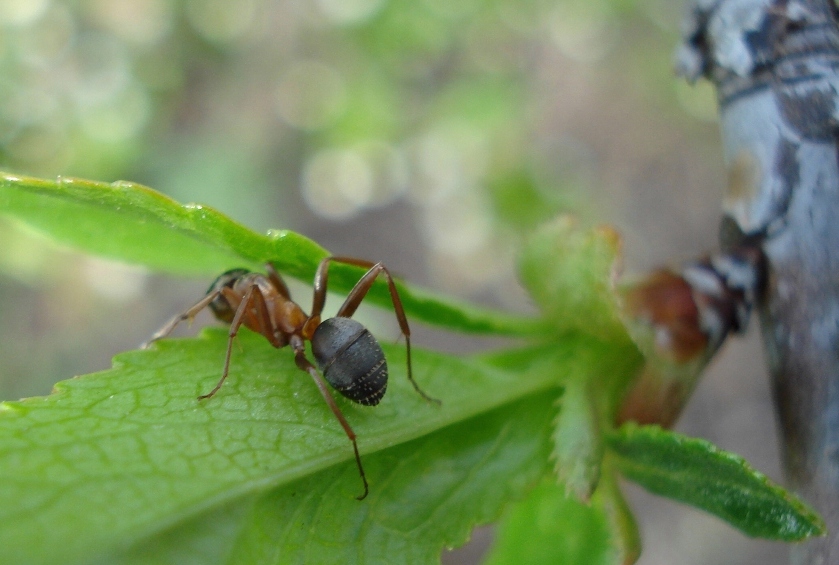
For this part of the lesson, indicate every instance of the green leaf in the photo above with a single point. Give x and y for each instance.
(115, 457)
(578, 441)
(593, 380)
(698, 473)
(207, 538)
(570, 274)
(551, 528)
(135, 224)
(609, 500)
(431, 491)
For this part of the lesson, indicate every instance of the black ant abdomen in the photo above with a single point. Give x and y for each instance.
(351, 360)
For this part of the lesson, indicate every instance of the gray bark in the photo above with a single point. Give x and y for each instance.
(776, 68)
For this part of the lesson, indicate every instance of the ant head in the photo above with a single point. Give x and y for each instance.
(220, 307)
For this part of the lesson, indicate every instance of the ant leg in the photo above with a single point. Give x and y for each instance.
(322, 280)
(305, 365)
(277, 281)
(358, 293)
(186, 315)
(319, 295)
(252, 297)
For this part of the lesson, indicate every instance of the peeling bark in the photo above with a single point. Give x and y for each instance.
(775, 64)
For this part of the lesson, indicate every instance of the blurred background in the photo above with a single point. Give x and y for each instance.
(432, 135)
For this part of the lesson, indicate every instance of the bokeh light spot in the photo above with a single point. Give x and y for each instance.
(100, 69)
(21, 12)
(48, 39)
(582, 31)
(143, 22)
(448, 158)
(311, 95)
(459, 225)
(120, 119)
(349, 11)
(221, 20)
(113, 280)
(337, 183)
(389, 168)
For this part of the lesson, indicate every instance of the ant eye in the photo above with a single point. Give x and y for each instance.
(227, 279)
(220, 306)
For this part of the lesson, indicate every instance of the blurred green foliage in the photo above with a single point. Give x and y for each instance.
(356, 101)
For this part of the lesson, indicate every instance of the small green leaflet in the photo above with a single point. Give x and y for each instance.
(698, 473)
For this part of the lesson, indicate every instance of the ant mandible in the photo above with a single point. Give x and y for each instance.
(346, 352)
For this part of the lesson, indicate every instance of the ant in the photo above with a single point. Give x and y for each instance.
(346, 352)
